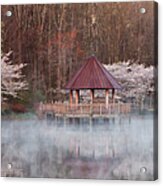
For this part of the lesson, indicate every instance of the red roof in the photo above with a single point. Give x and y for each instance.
(93, 75)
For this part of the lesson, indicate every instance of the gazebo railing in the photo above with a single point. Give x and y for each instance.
(85, 109)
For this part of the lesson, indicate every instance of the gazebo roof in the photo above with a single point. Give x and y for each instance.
(93, 75)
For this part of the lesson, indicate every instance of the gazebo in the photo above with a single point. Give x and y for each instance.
(91, 76)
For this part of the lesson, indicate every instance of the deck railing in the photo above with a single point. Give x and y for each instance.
(85, 109)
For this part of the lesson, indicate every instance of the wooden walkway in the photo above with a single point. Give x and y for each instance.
(84, 110)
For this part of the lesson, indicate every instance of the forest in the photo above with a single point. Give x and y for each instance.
(52, 40)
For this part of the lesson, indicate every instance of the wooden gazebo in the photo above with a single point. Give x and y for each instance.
(92, 75)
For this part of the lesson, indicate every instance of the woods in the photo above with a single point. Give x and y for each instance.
(53, 40)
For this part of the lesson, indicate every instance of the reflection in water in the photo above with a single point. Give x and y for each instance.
(114, 148)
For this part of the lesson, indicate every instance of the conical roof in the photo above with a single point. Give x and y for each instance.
(93, 75)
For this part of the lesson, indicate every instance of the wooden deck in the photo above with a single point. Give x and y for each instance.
(84, 110)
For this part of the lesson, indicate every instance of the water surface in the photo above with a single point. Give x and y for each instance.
(114, 148)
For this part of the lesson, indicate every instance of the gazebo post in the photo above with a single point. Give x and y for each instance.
(92, 96)
(77, 96)
(107, 97)
(113, 95)
(71, 96)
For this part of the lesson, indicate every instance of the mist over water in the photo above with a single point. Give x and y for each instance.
(115, 148)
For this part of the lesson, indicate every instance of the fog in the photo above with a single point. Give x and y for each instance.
(115, 148)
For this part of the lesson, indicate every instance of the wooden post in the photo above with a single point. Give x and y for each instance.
(77, 97)
(100, 109)
(107, 97)
(71, 96)
(92, 96)
(113, 94)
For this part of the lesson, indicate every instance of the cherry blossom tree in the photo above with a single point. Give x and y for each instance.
(136, 79)
(12, 79)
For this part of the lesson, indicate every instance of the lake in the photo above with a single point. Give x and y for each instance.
(115, 148)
